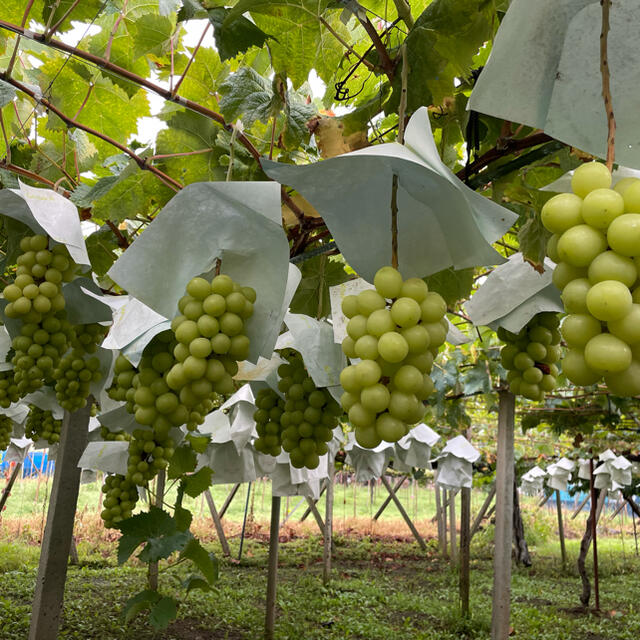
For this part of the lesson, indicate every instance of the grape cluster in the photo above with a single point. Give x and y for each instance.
(39, 277)
(596, 247)
(122, 388)
(6, 429)
(38, 349)
(530, 356)
(269, 410)
(149, 451)
(302, 425)
(73, 377)
(88, 337)
(120, 500)
(114, 436)
(41, 424)
(9, 392)
(210, 332)
(395, 331)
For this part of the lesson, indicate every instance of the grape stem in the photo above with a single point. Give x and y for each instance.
(606, 88)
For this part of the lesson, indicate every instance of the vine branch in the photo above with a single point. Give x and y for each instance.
(70, 122)
(606, 88)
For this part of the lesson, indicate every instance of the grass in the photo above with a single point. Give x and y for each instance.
(383, 587)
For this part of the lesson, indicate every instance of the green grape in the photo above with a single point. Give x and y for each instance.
(41, 425)
(530, 356)
(120, 499)
(6, 429)
(302, 422)
(113, 436)
(384, 394)
(87, 337)
(9, 391)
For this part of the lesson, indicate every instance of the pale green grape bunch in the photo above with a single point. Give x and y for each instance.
(38, 350)
(88, 337)
(120, 500)
(41, 425)
(211, 339)
(269, 410)
(114, 436)
(122, 388)
(40, 273)
(395, 331)
(596, 248)
(530, 356)
(149, 451)
(6, 429)
(310, 413)
(73, 377)
(9, 391)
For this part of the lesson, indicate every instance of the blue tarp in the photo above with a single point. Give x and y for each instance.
(33, 464)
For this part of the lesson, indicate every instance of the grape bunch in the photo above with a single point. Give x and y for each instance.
(149, 451)
(88, 337)
(6, 429)
(120, 500)
(530, 356)
(40, 273)
(9, 392)
(302, 425)
(395, 331)
(210, 332)
(38, 349)
(122, 388)
(114, 436)
(269, 410)
(596, 248)
(41, 424)
(73, 377)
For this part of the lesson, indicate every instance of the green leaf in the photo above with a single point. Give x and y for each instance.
(142, 527)
(191, 9)
(183, 461)
(198, 441)
(441, 47)
(451, 284)
(101, 247)
(167, 7)
(84, 195)
(235, 36)
(318, 274)
(138, 603)
(163, 612)
(183, 517)
(194, 484)
(196, 582)
(83, 11)
(7, 93)
(532, 237)
(476, 378)
(205, 561)
(152, 35)
(163, 546)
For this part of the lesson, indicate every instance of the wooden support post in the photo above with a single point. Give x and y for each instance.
(7, 490)
(563, 549)
(441, 534)
(328, 528)
(387, 500)
(501, 610)
(56, 543)
(73, 553)
(153, 566)
(594, 536)
(465, 550)
(227, 502)
(483, 510)
(453, 534)
(244, 520)
(307, 513)
(272, 571)
(217, 523)
(580, 507)
(403, 513)
(544, 500)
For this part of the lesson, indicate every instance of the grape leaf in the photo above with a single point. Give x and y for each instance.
(101, 247)
(195, 582)
(151, 35)
(451, 284)
(144, 526)
(318, 274)
(183, 461)
(7, 93)
(139, 602)
(205, 561)
(476, 379)
(194, 484)
(234, 36)
(52, 12)
(163, 546)
(163, 612)
(167, 7)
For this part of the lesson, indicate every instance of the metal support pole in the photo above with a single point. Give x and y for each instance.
(563, 549)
